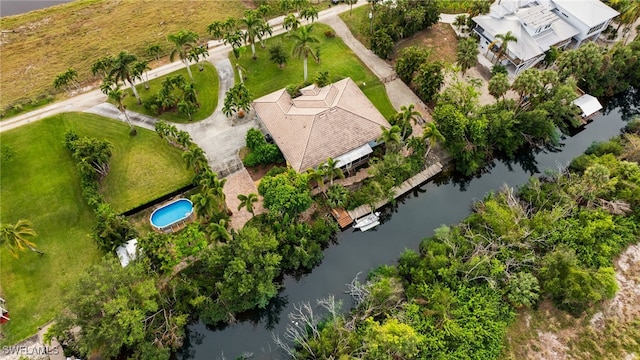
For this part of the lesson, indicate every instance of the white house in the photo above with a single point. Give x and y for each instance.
(539, 25)
(590, 17)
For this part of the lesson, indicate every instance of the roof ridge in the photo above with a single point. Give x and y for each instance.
(306, 145)
(358, 115)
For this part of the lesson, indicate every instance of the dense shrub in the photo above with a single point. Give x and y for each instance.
(605, 147)
(92, 159)
(498, 69)
(262, 153)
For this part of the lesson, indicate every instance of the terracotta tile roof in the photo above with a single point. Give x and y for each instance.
(321, 123)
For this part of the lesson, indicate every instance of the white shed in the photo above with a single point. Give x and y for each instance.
(127, 252)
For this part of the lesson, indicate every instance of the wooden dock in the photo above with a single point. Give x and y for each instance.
(342, 217)
(345, 218)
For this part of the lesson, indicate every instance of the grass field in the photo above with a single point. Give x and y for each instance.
(36, 46)
(264, 76)
(41, 184)
(207, 83)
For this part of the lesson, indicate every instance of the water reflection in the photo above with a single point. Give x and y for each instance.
(446, 200)
(627, 104)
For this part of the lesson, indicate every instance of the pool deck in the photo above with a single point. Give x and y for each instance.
(240, 182)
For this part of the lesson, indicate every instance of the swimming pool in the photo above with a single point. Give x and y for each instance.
(172, 213)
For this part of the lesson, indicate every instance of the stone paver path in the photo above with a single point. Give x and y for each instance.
(240, 182)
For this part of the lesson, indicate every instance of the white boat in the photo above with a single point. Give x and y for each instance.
(368, 222)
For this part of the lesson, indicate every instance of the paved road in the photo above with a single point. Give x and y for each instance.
(219, 136)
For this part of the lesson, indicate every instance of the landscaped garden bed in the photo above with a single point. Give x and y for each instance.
(206, 87)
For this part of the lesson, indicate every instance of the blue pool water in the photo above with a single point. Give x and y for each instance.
(171, 213)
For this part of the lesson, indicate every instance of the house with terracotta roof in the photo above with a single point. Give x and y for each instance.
(336, 121)
(540, 25)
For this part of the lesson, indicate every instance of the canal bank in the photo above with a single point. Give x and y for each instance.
(403, 226)
(16, 7)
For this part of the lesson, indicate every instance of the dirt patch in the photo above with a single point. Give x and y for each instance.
(440, 38)
(610, 331)
(258, 172)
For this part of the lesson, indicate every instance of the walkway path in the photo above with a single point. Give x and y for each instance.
(398, 92)
(238, 183)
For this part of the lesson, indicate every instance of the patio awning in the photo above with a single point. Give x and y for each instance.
(588, 104)
(353, 155)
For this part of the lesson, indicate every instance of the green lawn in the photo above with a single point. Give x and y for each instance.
(264, 76)
(41, 184)
(359, 23)
(206, 87)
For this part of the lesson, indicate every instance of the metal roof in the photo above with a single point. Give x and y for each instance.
(590, 12)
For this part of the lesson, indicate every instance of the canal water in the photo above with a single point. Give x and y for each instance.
(414, 218)
(15, 7)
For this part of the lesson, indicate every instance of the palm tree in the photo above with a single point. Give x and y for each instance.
(351, 2)
(291, 22)
(234, 38)
(247, 201)
(460, 21)
(219, 230)
(298, 4)
(309, 13)
(506, 39)
(629, 11)
(195, 159)
(337, 196)
(332, 170)
(264, 10)
(390, 137)
(499, 85)
(263, 30)
(183, 41)
(187, 107)
(252, 22)
(123, 70)
(318, 176)
(154, 50)
(216, 29)
(102, 66)
(66, 79)
(16, 237)
(408, 115)
(467, 53)
(198, 54)
(302, 48)
(207, 203)
(189, 93)
(432, 135)
(141, 68)
(285, 5)
(183, 138)
(241, 72)
(116, 94)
